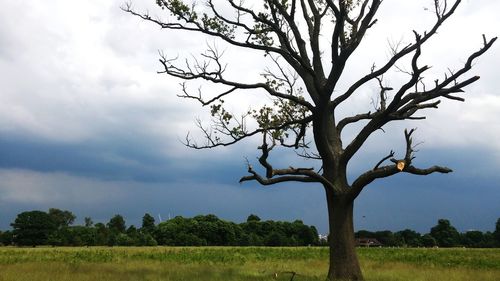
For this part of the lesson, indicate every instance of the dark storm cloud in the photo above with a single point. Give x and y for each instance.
(116, 159)
(101, 199)
(467, 196)
(113, 161)
(418, 202)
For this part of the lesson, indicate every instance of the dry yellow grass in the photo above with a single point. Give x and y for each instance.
(237, 264)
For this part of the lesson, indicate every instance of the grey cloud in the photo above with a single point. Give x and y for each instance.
(83, 113)
(100, 199)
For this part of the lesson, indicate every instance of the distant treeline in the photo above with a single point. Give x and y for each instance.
(441, 235)
(56, 228)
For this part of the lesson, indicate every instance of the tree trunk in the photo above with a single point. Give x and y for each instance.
(344, 263)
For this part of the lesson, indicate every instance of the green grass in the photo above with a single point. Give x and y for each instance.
(240, 263)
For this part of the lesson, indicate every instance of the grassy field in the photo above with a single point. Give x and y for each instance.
(239, 263)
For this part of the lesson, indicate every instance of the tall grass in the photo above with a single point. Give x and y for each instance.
(240, 264)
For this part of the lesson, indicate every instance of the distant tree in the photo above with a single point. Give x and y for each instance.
(123, 239)
(303, 234)
(215, 231)
(410, 237)
(117, 224)
(132, 230)
(33, 228)
(88, 221)
(387, 238)
(61, 218)
(6, 238)
(59, 237)
(244, 239)
(253, 217)
(173, 231)
(181, 231)
(275, 238)
(474, 239)
(364, 234)
(445, 234)
(82, 235)
(428, 240)
(489, 240)
(210, 230)
(253, 227)
(146, 239)
(112, 239)
(255, 240)
(496, 234)
(102, 234)
(189, 239)
(148, 223)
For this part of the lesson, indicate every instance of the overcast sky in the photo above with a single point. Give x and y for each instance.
(86, 123)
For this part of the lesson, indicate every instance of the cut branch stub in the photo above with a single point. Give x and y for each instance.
(400, 165)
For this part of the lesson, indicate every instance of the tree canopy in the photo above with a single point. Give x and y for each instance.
(117, 224)
(33, 228)
(61, 218)
(445, 234)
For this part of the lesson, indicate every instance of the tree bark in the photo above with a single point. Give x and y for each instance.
(344, 264)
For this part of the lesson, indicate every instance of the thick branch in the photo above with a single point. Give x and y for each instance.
(402, 165)
(274, 176)
(301, 44)
(271, 181)
(314, 26)
(342, 47)
(353, 119)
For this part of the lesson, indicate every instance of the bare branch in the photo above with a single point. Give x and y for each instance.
(202, 71)
(353, 119)
(342, 47)
(391, 154)
(428, 171)
(282, 175)
(396, 57)
(235, 137)
(402, 165)
(405, 106)
(199, 97)
(224, 30)
(369, 115)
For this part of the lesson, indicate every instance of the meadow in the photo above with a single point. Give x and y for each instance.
(240, 263)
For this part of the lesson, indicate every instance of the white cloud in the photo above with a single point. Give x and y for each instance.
(88, 74)
(64, 81)
(474, 123)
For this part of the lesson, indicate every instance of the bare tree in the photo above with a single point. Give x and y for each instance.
(309, 42)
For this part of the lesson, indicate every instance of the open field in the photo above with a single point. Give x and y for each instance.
(240, 263)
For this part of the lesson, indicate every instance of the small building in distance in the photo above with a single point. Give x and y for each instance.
(368, 242)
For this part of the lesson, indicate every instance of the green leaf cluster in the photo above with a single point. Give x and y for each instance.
(178, 8)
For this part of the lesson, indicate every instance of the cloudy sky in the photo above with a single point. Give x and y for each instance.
(86, 123)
